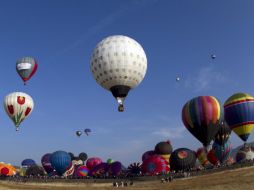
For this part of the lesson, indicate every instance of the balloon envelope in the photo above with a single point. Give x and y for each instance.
(147, 154)
(26, 67)
(155, 165)
(202, 156)
(87, 131)
(99, 169)
(239, 114)
(82, 171)
(245, 153)
(45, 161)
(223, 134)
(18, 106)
(202, 116)
(28, 162)
(61, 161)
(222, 152)
(115, 168)
(182, 159)
(92, 162)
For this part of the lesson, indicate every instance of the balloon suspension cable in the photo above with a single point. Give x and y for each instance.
(24, 83)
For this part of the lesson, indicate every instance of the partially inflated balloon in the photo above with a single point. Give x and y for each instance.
(202, 116)
(119, 64)
(99, 169)
(245, 153)
(147, 155)
(239, 114)
(202, 156)
(115, 168)
(222, 152)
(26, 68)
(154, 165)
(223, 134)
(92, 162)
(82, 171)
(45, 161)
(28, 162)
(61, 161)
(18, 106)
(134, 168)
(211, 156)
(182, 159)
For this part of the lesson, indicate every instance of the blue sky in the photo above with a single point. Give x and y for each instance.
(178, 37)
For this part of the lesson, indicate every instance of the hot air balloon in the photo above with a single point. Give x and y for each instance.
(61, 161)
(239, 114)
(147, 154)
(78, 133)
(213, 56)
(202, 116)
(91, 162)
(115, 168)
(99, 169)
(211, 156)
(71, 155)
(245, 153)
(202, 156)
(69, 171)
(222, 152)
(223, 134)
(177, 79)
(82, 171)
(155, 165)
(87, 131)
(134, 168)
(119, 64)
(7, 170)
(26, 68)
(164, 149)
(110, 161)
(182, 159)
(18, 106)
(28, 162)
(83, 156)
(45, 161)
(35, 171)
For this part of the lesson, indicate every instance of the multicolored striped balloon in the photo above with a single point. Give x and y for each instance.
(202, 156)
(202, 116)
(239, 114)
(82, 171)
(222, 152)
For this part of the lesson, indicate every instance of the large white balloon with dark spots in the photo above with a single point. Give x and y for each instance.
(118, 60)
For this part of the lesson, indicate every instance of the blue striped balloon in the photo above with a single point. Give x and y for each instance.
(60, 160)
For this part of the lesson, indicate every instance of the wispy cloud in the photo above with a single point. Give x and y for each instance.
(171, 133)
(105, 22)
(205, 79)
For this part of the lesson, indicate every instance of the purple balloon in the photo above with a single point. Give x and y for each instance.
(45, 161)
(115, 168)
(147, 155)
(99, 169)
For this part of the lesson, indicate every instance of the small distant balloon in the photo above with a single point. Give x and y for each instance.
(87, 131)
(177, 79)
(78, 133)
(213, 56)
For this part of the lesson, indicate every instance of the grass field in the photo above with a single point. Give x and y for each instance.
(239, 179)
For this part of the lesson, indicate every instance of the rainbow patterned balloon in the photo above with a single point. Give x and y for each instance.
(82, 171)
(202, 116)
(239, 114)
